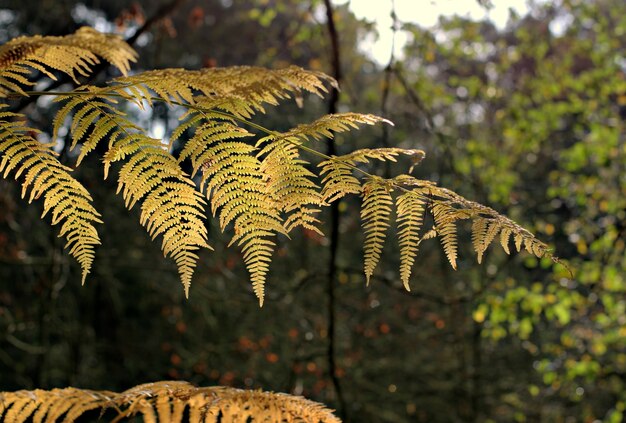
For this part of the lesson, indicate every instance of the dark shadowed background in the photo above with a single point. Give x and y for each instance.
(528, 119)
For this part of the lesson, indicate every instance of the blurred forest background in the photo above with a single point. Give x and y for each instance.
(528, 119)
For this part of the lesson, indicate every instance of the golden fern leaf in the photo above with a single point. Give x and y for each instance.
(445, 217)
(479, 231)
(375, 213)
(65, 198)
(167, 401)
(494, 226)
(465, 209)
(236, 405)
(234, 183)
(339, 180)
(170, 205)
(72, 54)
(239, 90)
(289, 183)
(483, 233)
(505, 235)
(328, 125)
(409, 210)
(390, 153)
(40, 406)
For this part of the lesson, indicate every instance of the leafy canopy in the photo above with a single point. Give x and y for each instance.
(258, 186)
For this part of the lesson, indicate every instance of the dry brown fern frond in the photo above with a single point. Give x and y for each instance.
(168, 401)
(65, 198)
(71, 54)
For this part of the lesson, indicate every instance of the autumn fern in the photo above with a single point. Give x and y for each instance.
(168, 401)
(43, 175)
(73, 55)
(170, 205)
(235, 186)
(410, 209)
(260, 183)
(375, 215)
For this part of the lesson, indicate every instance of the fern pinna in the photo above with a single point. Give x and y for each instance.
(255, 179)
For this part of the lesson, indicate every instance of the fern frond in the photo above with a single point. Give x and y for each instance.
(168, 401)
(235, 186)
(41, 406)
(383, 154)
(170, 205)
(375, 213)
(241, 90)
(339, 180)
(506, 226)
(505, 235)
(493, 229)
(65, 198)
(328, 125)
(479, 231)
(445, 217)
(410, 208)
(71, 54)
(289, 183)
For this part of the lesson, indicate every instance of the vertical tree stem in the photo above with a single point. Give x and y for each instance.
(334, 224)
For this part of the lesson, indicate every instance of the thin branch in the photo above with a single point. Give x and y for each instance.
(387, 81)
(334, 223)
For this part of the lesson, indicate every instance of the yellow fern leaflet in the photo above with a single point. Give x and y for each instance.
(65, 198)
(410, 208)
(375, 214)
(289, 183)
(72, 54)
(339, 180)
(235, 185)
(170, 205)
(241, 90)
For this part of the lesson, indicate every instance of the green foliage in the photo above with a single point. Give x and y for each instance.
(538, 112)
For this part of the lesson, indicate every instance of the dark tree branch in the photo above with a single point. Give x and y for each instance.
(334, 223)
(387, 84)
